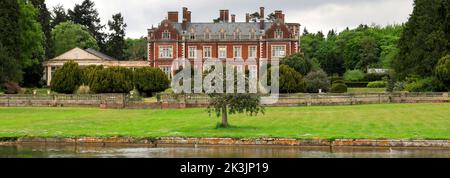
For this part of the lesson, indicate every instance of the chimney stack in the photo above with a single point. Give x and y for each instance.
(189, 16)
(185, 18)
(247, 18)
(224, 16)
(261, 19)
(173, 16)
(279, 15)
(233, 18)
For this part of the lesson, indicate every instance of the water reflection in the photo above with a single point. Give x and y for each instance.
(135, 151)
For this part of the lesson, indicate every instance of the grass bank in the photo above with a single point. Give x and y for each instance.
(385, 121)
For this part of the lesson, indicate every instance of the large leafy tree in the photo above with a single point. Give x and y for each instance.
(136, 49)
(116, 44)
(32, 42)
(68, 35)
(232, 102)
(298, 62)
(9, 36)
(330, 57)
(86, 14)
(425, 40)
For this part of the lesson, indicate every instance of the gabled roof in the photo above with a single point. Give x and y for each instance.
(81, 54)
(100, 55)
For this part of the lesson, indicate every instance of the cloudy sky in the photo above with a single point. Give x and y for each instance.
(315, 15)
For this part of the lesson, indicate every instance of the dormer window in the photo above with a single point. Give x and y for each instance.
(253, 34)
(278, 34)
(207, 34)
(192, 35)
(222, 34)
(237, 34)
(166, 34)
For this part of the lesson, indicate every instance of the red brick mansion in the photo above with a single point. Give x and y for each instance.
(223, 39)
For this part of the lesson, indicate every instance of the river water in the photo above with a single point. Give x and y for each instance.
(72, 151)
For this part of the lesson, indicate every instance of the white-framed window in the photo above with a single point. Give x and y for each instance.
(252, 52)
(278, 51)
(237, 52)
(192, 51)
(278, 34)
(167, 70)
(166, 52)
(207, 52)
(222, 52)
(166, 34)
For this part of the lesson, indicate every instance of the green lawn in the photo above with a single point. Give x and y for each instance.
(367, 90)
(395, 121)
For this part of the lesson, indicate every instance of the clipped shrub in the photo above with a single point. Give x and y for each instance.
(377, 84)
(291, 81)
(83, 89)
(150, 80)
(339, 88)
(356, 84)
(374, 77)
(11, 88)
(317, 80)
(67, 79)
(88, 74)
(113, 80)
(354, 75)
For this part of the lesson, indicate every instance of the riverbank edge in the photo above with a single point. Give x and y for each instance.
(229, 142)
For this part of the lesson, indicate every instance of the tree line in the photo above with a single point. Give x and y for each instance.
(32, 34)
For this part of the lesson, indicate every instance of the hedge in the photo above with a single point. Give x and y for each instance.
(377, 84)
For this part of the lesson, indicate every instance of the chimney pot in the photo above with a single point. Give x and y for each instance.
(233, 18)
(173, 16)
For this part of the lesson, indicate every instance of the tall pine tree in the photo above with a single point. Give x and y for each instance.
(9, 36)
(86, 14)
(116, 44)
(425, 38)
(59, 15)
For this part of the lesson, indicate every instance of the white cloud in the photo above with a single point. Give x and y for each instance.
(315, 15)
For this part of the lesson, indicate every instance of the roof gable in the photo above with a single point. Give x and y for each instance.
(80, 54)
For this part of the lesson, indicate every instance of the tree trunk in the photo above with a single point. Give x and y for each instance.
(224, 117)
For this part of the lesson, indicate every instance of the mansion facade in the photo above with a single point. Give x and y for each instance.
(222, 39)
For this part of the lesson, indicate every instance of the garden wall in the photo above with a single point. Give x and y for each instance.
(169, 101)
(189, 101)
